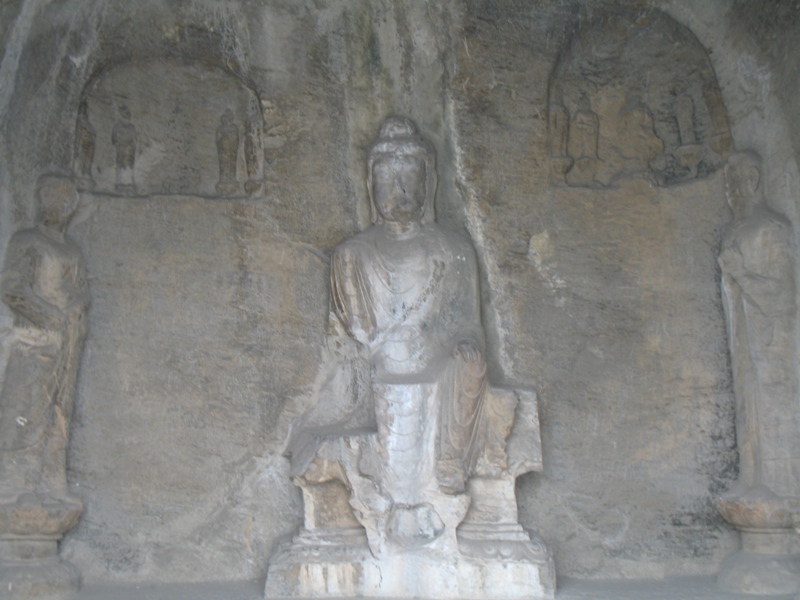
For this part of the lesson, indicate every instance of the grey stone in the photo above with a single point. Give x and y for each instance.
(209, 312)
(44, 283)
(757, 262)
(405, 297)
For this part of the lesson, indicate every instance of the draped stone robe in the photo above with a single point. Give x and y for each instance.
(411, 302)
(759, 295)
(37, 398)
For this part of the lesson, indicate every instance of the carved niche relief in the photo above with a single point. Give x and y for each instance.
(228, 154)
(645, 91)
(169, 128)
(85, 137)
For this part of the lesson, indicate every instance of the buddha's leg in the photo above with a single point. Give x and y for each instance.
(406, 433)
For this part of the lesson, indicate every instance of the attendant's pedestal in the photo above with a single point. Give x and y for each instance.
(30, 529)
(769, 560)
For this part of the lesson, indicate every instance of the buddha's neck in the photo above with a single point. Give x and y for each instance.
(401, 231)
(52, 233)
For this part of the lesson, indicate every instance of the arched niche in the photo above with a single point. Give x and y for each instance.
(173, 111)
(605, 293)
(634, 95)
(206, 315)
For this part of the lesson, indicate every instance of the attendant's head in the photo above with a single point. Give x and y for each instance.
(57, 199)
(743, 187)
(401, 174)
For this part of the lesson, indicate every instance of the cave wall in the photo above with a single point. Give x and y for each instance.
(209, 310)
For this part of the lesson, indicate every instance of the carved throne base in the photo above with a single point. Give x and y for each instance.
(491, 555)
(30, 529)
(460, 545)
(509, 566)
(769, 560)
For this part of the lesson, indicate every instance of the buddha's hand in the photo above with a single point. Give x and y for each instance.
(75, 310)
(469, 351)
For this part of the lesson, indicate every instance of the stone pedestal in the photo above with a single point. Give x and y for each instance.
(490, 556)
(30, 529)
(490, 564)
(769, 560)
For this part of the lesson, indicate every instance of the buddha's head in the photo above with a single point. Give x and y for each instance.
(57, 199)
(401, 174)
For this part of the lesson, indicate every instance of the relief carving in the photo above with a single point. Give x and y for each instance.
(633, 74)
(758, 290)
(584, 134)
(253, 148)
(560, 159)
(84, 147)
(44, 284)
(123, 137)
(165, 127)
(642, 146)
(227, 152)
(423, 474)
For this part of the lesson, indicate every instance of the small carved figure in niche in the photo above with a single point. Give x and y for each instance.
(758, 291)
(640, 143)
(559, 130)
(683, 107)
(45, 286)
(585, 131)
(584, 134)
(228, 154)
(690, 152)
(123, 136)
(253, 149)
(559, 138)
(720, 141)
(434, 439)
(84, 147)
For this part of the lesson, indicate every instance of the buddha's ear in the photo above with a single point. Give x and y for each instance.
(431, 180)
(752, 178)
(374, 215)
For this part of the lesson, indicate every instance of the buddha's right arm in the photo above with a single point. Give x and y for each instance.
(350, 300)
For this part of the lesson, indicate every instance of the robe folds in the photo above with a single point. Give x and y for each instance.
(413, 303)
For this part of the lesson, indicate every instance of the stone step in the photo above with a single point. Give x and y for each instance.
(688, 588)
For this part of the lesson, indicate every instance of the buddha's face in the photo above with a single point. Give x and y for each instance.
(398, 186)
(57, 203)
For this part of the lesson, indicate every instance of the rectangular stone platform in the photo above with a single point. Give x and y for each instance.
(692, 588)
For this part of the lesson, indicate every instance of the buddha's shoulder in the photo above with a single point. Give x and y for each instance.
(31, 240)
(361, 243)
(456, 242)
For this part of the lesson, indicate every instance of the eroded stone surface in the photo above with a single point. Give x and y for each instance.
(757, 261)
(209, 312)
(387, 488)
(44, 283)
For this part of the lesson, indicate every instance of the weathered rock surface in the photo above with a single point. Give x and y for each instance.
(600, 290)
